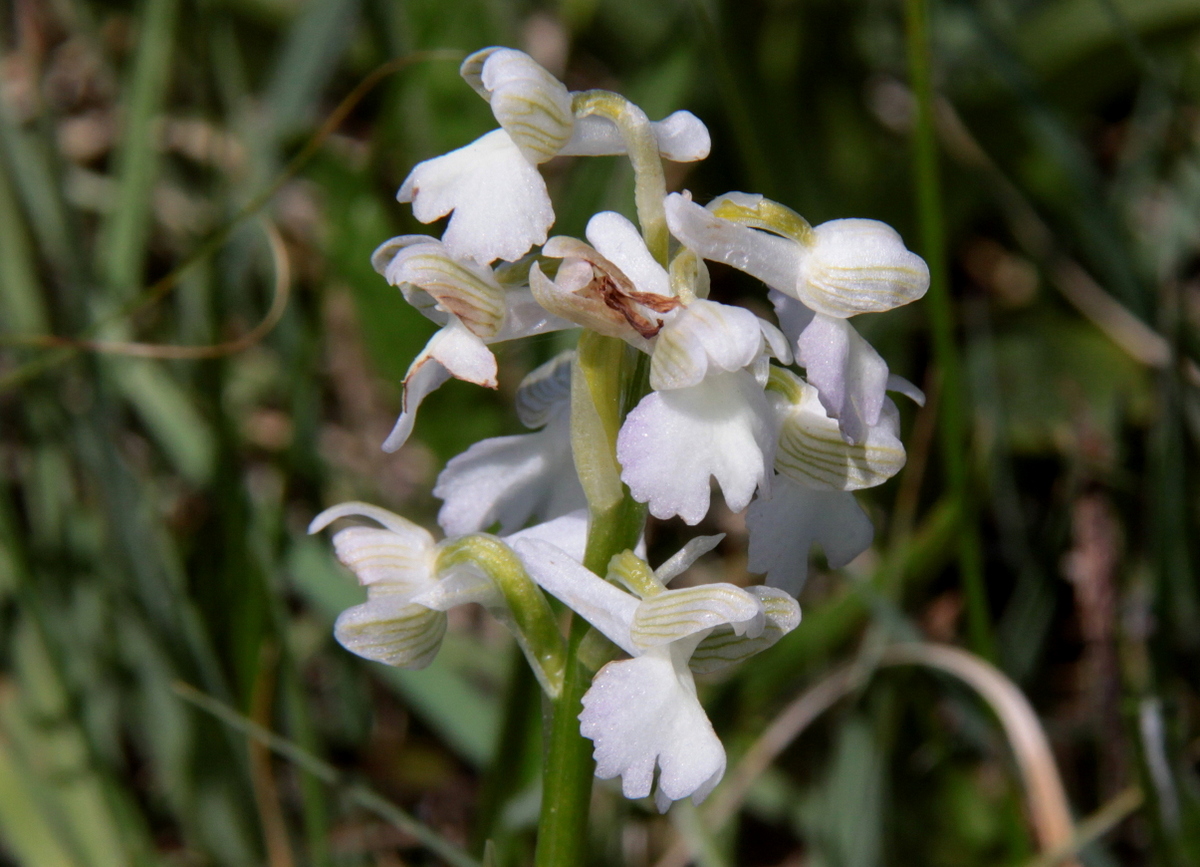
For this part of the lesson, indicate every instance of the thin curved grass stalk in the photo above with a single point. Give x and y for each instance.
(1049, 810)
(280, 296)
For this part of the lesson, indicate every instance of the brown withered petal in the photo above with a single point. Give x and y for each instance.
(611, 288)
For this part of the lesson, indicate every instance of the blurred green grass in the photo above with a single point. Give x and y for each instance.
(152, 512)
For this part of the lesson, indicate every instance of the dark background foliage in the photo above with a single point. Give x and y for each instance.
(153, 508)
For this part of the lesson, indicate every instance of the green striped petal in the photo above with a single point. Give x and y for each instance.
(676, 614)
(812, 451)
(723, 647)
(469, 292)
(388, 628)
(532, 106)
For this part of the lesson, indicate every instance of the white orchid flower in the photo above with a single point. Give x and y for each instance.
(473, 308)
(492, 188)
(840, 268)
(412, 581)
(819, 277)
(642, 713)
(509, 480)
(810, 499)
(707, 416)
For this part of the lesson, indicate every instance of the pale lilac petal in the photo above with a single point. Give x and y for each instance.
(784, 525)
(545, 390)
(848, 374)
(673, 441)
(682, 138)
(643, 712)
(499, 201)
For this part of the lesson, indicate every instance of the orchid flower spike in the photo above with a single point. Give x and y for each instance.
(473, 307)
(497, 199)
(642, 713)
(412, 581)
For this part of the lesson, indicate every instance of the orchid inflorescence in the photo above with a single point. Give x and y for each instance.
(703, 390)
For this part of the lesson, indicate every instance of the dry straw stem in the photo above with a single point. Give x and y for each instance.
(1046, 799)
(162, 287)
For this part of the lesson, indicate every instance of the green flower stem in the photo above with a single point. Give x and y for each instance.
(952, 419)
(608, 380)
(650, 184)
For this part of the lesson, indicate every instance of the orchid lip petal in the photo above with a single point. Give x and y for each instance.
(508, 480)
(784, 525)
(674, 441)
(499, 201)
(642, 713)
